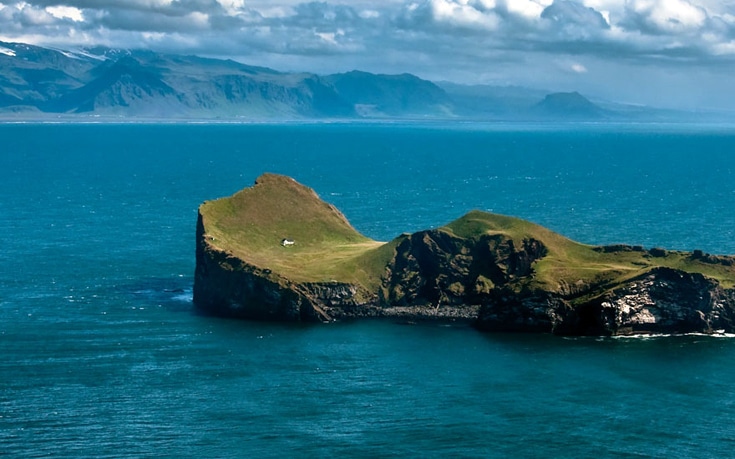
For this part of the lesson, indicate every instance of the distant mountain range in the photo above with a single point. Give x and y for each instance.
(103, 82)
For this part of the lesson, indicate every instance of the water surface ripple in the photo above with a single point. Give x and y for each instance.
(101, 354)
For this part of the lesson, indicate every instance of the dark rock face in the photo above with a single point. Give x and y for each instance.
(663, 300)
(506, 310)
(226, 286)
(435, 267)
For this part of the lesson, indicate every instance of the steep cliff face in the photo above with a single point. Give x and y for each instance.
(663, 300)
(503, 273)
(226, 285)
(437, 267)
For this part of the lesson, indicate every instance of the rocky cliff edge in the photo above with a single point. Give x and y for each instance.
(276, 251)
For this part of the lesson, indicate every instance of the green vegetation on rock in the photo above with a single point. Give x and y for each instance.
(572, 263)
(277, 251)
(252, 224)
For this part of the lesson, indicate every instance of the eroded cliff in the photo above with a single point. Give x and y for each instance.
(276, 251)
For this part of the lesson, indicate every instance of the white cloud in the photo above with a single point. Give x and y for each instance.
(635, 27)
(369, 14)
(6, 14)
(232, 7)
(462, 13)
(668, 15)
(528, 9)
(275, 12)
(198, 19)
(66, 12)
(33, 16)
(156, 3)
(153, 36)
(329, 37)
(578, 68)
(725, 48)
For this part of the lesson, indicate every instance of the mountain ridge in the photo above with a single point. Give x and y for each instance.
(136, 83)
(568, 105)
(143, 84)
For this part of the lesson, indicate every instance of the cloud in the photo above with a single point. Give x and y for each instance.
(630, 29)
(66, 12)
(568, 13)
(578, 68)
(664, 16)
(462, 14)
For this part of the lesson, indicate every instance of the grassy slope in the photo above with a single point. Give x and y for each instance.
(252, 223)
(570, 262)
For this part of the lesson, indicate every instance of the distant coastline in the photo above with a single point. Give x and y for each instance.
(119, 85)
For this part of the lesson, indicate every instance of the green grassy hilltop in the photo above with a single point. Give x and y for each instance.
(252, 224)
(572, 263)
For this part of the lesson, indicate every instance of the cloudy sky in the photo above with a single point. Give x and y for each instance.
(678, 53)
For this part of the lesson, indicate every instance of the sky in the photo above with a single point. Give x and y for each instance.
(664, 53)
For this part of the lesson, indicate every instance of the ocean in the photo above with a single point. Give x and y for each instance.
(102, 354)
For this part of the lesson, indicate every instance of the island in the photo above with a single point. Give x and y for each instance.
(276, 251)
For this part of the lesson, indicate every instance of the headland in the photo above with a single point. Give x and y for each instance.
(276, 251)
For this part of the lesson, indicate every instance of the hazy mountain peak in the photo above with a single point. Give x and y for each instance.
(568, 105)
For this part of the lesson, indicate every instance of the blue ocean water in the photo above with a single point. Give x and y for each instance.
(101, 354)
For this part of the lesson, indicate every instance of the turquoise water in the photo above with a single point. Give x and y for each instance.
(101, 354)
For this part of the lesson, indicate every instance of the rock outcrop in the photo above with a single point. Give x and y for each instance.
(663, 300)
(501, 273)
(437, 267)
(226, 285)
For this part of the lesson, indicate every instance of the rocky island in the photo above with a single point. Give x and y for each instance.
(276, 251)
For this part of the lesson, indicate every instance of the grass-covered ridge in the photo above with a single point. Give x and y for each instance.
(251, 224)
(570, 263)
